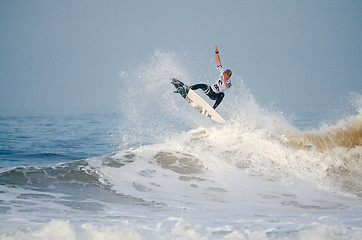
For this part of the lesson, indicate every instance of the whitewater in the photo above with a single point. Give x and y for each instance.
(174, 174)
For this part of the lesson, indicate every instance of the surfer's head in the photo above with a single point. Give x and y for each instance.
(228, 73)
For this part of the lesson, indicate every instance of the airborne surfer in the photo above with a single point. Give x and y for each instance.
(216, 91)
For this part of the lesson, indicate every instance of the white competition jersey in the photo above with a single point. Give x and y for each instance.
(219, 86)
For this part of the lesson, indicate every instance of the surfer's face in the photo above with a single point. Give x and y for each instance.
(226, 77)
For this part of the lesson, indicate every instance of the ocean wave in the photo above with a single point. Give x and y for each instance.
(180, 229)
(257, 141)
(179, 175)
(346, 134)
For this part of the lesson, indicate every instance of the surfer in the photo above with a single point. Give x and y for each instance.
(216, 91)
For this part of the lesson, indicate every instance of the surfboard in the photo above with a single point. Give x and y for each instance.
(196, 101)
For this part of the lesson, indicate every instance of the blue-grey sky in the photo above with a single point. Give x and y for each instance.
(68, 54)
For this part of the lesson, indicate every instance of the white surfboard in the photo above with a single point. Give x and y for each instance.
(203, 107)
(196, 101)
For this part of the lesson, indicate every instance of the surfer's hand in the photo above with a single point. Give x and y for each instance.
(216, 50)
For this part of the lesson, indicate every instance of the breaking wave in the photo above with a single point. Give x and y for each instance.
(172, 160)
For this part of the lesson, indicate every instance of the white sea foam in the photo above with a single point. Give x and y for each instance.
(64, 230)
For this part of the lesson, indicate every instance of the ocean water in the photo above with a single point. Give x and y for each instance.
(157, 169)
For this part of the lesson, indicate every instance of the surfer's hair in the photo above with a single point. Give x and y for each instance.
(228, 72)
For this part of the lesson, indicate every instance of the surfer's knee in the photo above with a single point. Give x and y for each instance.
(221, 95)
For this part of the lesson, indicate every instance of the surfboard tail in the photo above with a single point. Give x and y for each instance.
(181, 88)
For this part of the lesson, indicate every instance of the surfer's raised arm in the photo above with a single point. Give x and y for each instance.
(217, 57)
(215, 91)
(227, 73)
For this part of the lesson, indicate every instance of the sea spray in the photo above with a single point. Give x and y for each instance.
(147, 102)
(257, 140)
